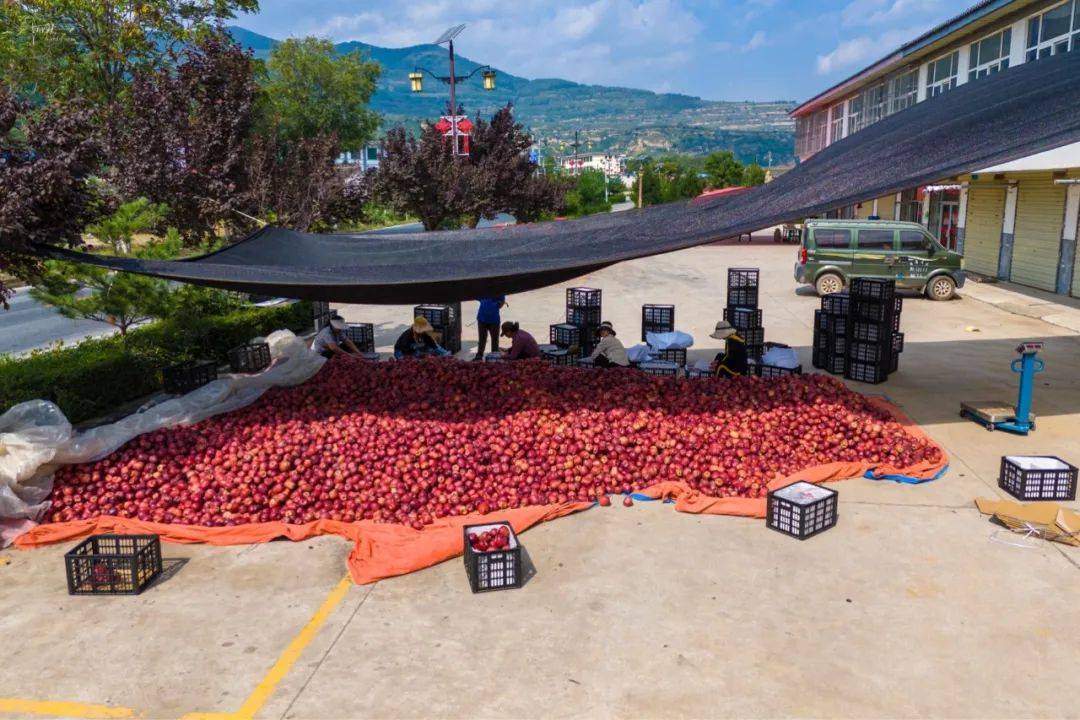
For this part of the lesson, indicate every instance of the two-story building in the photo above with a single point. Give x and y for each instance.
(607, 163)
(1016, 221)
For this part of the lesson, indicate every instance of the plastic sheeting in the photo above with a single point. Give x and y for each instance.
(35, 437)
(1025, 110)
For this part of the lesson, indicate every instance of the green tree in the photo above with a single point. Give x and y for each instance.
(90, 48)
(79, 290)
(647, 184)
(310, 90)
(723, 169)
(616, 189)
(131, 218)
(586, 196)
(754, 174)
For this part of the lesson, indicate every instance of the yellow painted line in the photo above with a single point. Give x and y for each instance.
(292, 653)
(56, 708)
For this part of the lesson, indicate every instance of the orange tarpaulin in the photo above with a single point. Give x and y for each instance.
(384, 550)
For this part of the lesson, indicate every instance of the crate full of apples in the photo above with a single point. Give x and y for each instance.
(492, 557)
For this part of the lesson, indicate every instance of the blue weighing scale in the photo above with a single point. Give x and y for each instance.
(997, 415)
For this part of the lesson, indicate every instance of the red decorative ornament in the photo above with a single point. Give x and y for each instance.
(458, 130)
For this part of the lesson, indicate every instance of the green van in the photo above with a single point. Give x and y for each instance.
(835, 251)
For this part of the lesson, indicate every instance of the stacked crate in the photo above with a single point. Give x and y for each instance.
(446, 319)
(830, 333)
(657, 319)
(583, 311)
(742, 309)
(874, 341)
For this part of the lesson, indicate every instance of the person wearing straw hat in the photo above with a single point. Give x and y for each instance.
(733, 361)
(331, 340)
(609, 352)
(418, 341)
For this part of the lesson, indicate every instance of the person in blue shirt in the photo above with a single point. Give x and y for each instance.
(487, 323)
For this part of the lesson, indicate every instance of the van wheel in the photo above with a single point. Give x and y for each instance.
(828, 284)
(942, 287)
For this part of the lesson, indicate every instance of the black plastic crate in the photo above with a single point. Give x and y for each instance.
(894, 362)
(898, 342)
(362, 336)
(583, 316)
(697, 374)
(496, 570)
(320, 313)
(583, 297)
(495, 357)
(830, 342)
(864, 352)
(657, 319)
(589, 337)
(870, 331)
(560, 357)
(867, 372)
(184, 377)
(753, 336)
(113, 564)
(754, 352)
(743, 277)
(565, 335)
(659, 368)
(250, 358)
(743, 296)
(839, 303)
(833, 363)
(743, 317)
(873, 288)
(817, 358)
(836, 324)
(878, 311)
(801, 509)
(774, 371)
(1037, 477)
(440, 316)
(672, 355)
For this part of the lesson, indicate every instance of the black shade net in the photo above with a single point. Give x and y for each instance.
(1025, 110)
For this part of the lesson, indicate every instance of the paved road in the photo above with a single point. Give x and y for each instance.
(30, 324)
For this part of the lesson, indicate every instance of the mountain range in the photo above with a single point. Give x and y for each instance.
(616, 119)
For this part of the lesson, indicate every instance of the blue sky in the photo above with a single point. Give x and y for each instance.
(716, 49)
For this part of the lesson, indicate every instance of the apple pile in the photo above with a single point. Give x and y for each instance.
(412, 441)
(497, 538)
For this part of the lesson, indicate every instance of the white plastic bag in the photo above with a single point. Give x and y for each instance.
(783, 357)
(639, 353)
(35, 437)
(669, 341)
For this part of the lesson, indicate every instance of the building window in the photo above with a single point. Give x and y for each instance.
(904, 91)
(854, 114)
(1052, 32)
(820, 130)
(990, 55)
(941, 76)
(875, 105)
(373, 153)
(836, 119)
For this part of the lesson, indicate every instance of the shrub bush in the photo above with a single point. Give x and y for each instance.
(98, 375)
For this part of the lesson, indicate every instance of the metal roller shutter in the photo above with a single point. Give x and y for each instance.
(982, 239)
(1040, 213)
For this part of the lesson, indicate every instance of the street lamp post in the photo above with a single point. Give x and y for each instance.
(416, 77)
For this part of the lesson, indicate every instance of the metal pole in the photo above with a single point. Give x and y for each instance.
(640, 182)
(453, 102)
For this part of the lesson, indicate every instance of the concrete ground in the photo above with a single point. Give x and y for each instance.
(912, 606)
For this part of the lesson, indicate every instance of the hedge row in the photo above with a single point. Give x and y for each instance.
(98, 375)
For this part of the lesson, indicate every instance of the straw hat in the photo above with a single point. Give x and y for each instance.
(607, 326)
(723, 330)
(421, 325)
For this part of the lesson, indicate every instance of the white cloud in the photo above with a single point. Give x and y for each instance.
(758, 40)
(871, 13)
